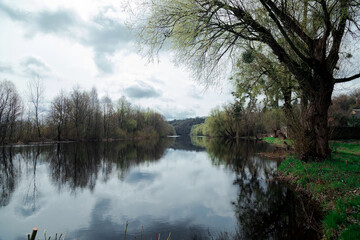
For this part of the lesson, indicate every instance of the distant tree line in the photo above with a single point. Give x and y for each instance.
(343, 110)
(224, 122)
(183, 127)
(78, 115)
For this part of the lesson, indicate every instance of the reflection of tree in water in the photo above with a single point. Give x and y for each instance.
(9, 175)
(32, 193)
(265, 209)
(72, 166)
(79, 165)
(185, 143)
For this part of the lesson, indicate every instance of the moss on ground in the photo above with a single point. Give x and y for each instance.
(335, 184)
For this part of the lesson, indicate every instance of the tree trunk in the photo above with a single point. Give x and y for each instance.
(288, 110)
(59, 133)
(315, 127)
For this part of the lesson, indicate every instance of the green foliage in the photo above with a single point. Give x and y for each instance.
(332, 181)
(341, 110)
(199, 130)
(351, 232)
(205, 35)
(278, 141)
(333, 221)
(273, 119)
(353, 122)
(248, 56)
(346, 147)
(80, 115)
(260, 74)
(233, 121)
(183, 127)
(216, 123)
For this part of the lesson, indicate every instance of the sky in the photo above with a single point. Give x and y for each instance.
(86, 44)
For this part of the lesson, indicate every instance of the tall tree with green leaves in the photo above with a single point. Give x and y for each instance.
(262, 76)
(308, 37)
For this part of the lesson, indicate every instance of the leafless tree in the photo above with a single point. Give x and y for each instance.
(36, 94)
(10, 109)
(59, 112)
(79, 103)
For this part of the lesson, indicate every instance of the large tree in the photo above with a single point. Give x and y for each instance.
(306, 36)
(10, 110)
(59, 112)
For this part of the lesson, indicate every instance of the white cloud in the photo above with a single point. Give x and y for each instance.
(5, 68)
(34, 66)
(142, 90)
(85, 43)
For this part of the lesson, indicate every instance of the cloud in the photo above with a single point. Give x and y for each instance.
(177, 113)
(103, 34)
(59, 21)
(34, 66)
(194, 92)
(6, 68)
(15, 15)
(103, 62)
(156, 80)
(142, 90)
(106, 36)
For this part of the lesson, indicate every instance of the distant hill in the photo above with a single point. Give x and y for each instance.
(183, 127)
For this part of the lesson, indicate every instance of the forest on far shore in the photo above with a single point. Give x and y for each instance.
(77, 115)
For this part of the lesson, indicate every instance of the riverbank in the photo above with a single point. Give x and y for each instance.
(334, 184)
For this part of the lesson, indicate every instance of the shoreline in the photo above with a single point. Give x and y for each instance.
(45, 142)
(333, 185)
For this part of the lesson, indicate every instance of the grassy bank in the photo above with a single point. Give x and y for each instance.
(277, 141)
(334, 184)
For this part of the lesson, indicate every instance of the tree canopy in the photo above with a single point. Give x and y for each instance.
(302, 34)
(306, 36)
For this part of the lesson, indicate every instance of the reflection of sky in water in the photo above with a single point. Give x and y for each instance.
(182, 193)
(90, 191)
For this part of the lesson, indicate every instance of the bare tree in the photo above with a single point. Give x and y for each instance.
(79, 103)
(36, 94)
(108, 112)
(94, 118)
(59, 112)
(10, 110)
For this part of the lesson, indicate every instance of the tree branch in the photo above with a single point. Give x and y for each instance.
(338, 34)
(289, 22)
(342, 80)
(283, 32)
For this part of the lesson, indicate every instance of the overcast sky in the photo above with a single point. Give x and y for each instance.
(86, 43)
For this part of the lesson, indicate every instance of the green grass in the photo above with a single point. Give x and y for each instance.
(277, 141)
(346, 147)
(334, 183)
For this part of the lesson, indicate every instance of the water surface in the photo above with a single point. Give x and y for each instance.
(193, 190)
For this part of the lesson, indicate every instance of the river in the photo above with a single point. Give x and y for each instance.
(200, 189)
